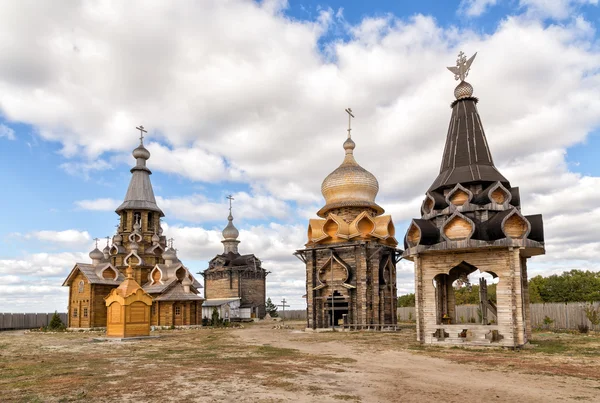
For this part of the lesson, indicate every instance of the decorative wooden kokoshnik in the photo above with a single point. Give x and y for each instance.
(351, 251)
(471, 220)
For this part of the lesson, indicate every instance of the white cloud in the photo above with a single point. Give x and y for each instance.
(7, 132)
(84, 169)
(558, 9)
(474, 8)
(259, 104)
(11, 279)
(42, 264)
(103, 204)
(68, 237)
(198, 208)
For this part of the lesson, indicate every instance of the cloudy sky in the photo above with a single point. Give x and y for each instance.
(248, 98)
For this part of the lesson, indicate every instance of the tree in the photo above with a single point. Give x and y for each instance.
(570, 286)
(56, 323)
(466, 296)
(216, 320)
(407, 300)
(271, 308)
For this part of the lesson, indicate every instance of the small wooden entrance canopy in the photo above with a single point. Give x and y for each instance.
(128, 309)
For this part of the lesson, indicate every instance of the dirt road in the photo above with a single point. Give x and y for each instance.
(382, 374)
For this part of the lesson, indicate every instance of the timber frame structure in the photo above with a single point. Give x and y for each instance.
(471, 220)
(362, 278)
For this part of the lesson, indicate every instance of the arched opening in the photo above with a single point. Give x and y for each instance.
(336, 307)
(466, 295)
(475, 298)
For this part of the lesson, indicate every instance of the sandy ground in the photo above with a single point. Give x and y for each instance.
(404, 376)
(260, 363)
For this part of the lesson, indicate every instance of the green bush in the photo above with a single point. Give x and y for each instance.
(55, 323)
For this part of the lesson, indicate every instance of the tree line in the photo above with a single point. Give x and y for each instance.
(570, 286)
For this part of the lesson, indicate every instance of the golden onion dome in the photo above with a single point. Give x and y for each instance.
(350, 185)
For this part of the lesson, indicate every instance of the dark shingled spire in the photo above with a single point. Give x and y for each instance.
(467, 157)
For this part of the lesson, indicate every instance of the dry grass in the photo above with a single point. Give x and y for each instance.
(71, 366)
(65, 367)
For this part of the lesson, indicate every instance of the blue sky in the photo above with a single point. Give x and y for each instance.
(255, 108)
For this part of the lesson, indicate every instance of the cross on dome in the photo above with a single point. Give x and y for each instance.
(350, 116)
(230, 198)
(142, 131)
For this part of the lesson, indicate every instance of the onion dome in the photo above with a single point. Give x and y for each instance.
(350, 185)
(230, 232)
(117, 239)
(96, 254)
(169, 254)
(141, 152)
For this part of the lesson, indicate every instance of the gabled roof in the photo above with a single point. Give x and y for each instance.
(177, 293)
(219, 301)
(232, 259)
(89, 271)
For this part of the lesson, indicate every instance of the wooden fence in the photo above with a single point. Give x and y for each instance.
(293, 314)
(13, 321)
(567, 315)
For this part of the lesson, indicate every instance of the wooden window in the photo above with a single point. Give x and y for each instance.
(85, 312)
(177, 310)
(81, 284)
(153, 309)
(150, 221)
(74, 312)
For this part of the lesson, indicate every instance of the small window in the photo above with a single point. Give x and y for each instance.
(81, 284)
(137, 217)
(150, 221)
(85, 312)
(177, 310)
(74, 312)
(153, 309)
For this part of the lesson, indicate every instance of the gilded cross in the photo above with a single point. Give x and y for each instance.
(142, 131)
(461, 71)
(350, 116)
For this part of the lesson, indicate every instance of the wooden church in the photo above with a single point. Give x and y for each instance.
(138, 243)
(351, 253)
(471, 221)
